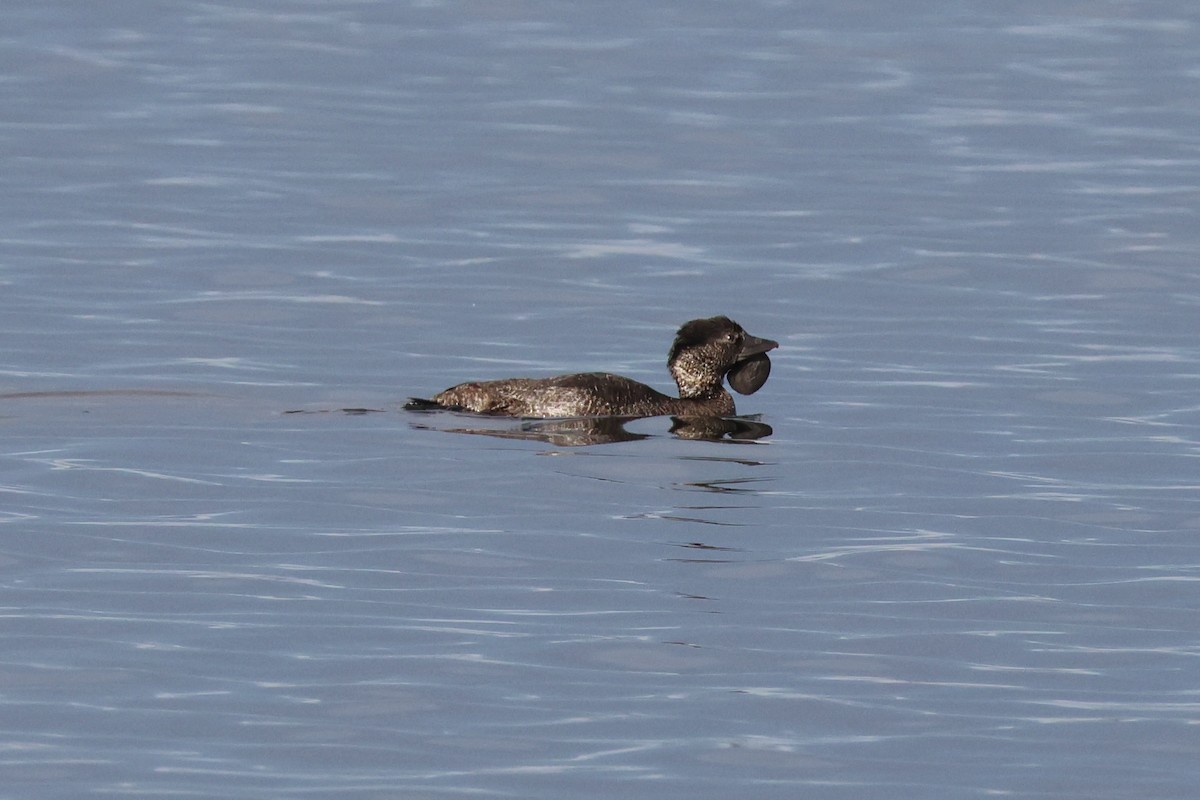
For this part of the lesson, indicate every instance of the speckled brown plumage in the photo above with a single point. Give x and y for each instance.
(703, 352)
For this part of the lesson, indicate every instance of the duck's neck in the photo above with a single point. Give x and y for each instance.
(695, 380)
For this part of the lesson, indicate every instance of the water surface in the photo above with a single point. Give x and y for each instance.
(963, 564)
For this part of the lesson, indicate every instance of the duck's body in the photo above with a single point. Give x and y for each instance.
(584, 394)
(704, 352)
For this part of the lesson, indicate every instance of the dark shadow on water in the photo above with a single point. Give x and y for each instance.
(581, 431)
(576, 431)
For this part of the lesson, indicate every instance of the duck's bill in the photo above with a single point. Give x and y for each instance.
(749, 375)
(752, 346)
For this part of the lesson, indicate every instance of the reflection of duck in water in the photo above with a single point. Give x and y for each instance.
(705, 352)
(581, 431)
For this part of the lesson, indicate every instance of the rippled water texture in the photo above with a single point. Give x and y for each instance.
(235, 237)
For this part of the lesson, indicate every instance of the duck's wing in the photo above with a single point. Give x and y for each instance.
(600, 394)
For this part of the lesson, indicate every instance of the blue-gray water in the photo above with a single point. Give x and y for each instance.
(965, 564)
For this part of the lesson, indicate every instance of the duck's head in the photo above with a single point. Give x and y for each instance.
(706, 350)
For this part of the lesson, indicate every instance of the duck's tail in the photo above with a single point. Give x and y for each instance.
(421, 404)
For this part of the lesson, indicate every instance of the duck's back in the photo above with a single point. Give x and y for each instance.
(584, 394)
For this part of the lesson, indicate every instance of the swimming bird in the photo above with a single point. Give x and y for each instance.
(705, 352)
